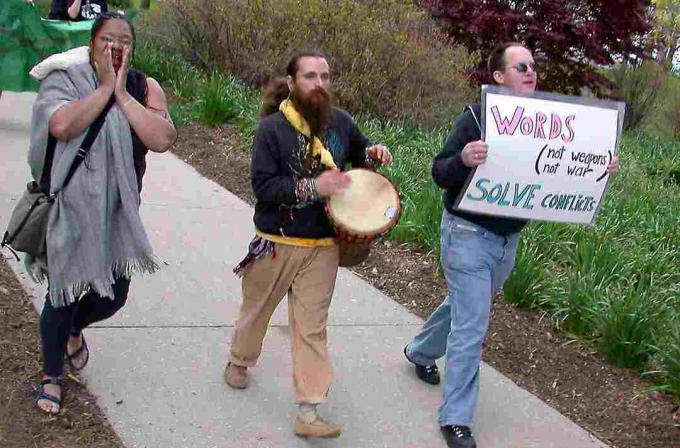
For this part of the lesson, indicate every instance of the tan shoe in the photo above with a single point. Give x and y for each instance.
(236, 376)
(318, 428)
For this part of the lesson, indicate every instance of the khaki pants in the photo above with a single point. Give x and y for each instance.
(308, 276)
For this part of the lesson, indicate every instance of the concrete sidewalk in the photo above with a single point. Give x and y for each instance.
(156, 367)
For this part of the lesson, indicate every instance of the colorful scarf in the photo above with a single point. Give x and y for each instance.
(315, 147)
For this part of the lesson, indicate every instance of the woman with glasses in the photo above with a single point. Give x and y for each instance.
(95, 238)
(76, 10)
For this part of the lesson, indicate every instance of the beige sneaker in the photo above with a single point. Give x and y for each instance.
(318, 428)
(236, 376)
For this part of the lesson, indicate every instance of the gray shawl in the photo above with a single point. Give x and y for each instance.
(95, 234)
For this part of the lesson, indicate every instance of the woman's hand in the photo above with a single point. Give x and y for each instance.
(103, 65)
(121, 92)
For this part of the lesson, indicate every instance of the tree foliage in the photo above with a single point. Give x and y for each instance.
(665, 35)
(571, 38)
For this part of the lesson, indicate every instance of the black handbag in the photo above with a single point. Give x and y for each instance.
(27, 228)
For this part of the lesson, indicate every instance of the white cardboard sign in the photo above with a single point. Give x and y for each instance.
(548, 156)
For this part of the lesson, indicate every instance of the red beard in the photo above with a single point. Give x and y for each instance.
(315, 108)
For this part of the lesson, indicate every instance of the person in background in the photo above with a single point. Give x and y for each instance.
(77, 10)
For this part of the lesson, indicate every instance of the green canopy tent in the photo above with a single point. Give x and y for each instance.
(26, 39)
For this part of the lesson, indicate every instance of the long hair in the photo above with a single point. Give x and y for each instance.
(273, 93)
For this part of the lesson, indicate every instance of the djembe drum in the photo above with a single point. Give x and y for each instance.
(366, 210)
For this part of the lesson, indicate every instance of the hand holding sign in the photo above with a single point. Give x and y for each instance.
(613, 166)
(474, 153)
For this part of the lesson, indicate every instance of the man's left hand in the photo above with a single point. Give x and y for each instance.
(613, 166)
(380, 153)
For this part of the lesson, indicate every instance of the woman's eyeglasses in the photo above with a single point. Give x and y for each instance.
(522, 67)
(112, 39)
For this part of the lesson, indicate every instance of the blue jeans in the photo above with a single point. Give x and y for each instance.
(476, 263)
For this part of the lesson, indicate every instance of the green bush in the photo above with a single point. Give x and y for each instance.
(530, 280)
(386, 56)
(641, 87)
(215, 106)
(119, 4)
(668, 353)
(665, 119)
(628, 326)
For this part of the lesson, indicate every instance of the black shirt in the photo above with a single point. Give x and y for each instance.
(89, 9)
(280, 158)
(450, 173)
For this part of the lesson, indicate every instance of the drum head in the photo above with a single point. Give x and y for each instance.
(370, 206)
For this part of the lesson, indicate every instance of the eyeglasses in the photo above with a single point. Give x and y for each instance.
(110, 40)
(522, 67)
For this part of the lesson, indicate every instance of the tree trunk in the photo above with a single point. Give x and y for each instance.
(145, 4)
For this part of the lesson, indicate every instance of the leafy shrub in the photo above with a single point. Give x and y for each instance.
(628, 326)
(640, 86)
(119, 4)
(215, 106)
(386, 56)
(529, 281)
(669, 359)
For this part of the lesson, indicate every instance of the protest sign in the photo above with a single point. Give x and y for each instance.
(548, 156)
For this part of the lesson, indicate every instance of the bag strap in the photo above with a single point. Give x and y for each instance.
(479, 126)
(85, 146)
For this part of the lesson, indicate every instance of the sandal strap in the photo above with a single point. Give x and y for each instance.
(49, 397)
(52, 380)
(80, 350)
(45, 396)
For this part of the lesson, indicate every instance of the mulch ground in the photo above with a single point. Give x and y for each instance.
(80, 423)
(610, 402)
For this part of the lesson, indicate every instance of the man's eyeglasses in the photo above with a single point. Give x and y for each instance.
(522, 67)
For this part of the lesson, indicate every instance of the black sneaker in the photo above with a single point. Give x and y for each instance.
(458, 436)
(429, 374)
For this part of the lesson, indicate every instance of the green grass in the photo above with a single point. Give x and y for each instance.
(615, 284)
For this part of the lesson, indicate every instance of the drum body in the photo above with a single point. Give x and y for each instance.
(369, 208)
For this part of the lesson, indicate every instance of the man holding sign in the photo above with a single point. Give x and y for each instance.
(477, 254)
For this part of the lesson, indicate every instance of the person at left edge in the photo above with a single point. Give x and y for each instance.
(95, 237)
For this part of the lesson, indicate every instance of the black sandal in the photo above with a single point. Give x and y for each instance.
(45, 396)
(83, 348)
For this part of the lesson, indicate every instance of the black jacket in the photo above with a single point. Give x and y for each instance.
(450, 173)
(280, 159)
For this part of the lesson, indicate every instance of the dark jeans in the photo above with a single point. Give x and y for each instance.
(58, 324)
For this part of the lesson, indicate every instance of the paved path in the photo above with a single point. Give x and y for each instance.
(156, 367)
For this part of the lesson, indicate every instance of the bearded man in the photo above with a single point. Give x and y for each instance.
(301, 147)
